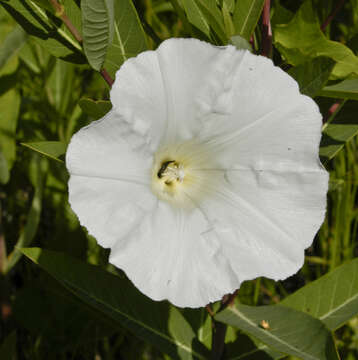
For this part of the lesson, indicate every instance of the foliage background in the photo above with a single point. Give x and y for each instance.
(51, 85)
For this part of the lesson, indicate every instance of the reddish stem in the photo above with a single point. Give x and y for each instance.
(334, 107)
(332, 15)
(107, 77)
(60, 12)
(266, 30)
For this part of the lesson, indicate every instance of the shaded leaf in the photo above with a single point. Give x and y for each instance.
(51, 149)
(97, 28)
(347, 89)
(312, 75)
(12, 44)
(38, 168)
(9, 112)
(286, 330)
(95, 109)
(341, 129)
(246, 16)
(302, 39)
(156, 322)
(8, 347)
(129, 38)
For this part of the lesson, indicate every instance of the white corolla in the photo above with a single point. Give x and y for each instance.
(204, 174)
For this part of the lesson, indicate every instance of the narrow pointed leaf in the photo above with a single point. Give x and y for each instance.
(129, 38)
(9, 112)
(347, 89)
(97, 28)
(38, 169)
(246, 16)
(51, 149)
(286, 330)
(156, 322)
(333, 298)
(41, 26)
(12, 44)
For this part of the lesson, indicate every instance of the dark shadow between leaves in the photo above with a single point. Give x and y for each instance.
(244, 348)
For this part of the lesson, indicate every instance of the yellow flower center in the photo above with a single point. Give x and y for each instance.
(182, 173)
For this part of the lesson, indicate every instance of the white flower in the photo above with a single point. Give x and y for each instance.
(204, 174)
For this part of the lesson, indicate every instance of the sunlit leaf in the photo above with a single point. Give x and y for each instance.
(205, 15)
(97, 28)
(246, 16)
(286, 330)
(333, 298)
(156, 322)
(240, 43)
(51, 149)
(302, 39)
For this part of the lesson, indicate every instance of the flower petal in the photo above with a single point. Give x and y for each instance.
(272, 125)
(266, 219)
(168, 258)
(110, 171)
(169, 88)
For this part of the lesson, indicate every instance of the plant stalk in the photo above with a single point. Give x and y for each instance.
(60, 13)
(266, 30)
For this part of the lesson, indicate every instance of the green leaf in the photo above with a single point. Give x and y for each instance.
(45, 29)
(129, 38)
(214, 18)
(205, 15)
(347, 89)
(302, 39)
(97, 28)
(312, 75)
(341, 129)
(240, 43)
(289, 331)
(12, 44)
(333, 298)
(38, 169)
(8, 347)
(9, 112)
(51, 149)
(246, 16)
(95, 109)
(156, 322)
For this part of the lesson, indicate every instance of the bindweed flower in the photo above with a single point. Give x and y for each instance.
(204, 174)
